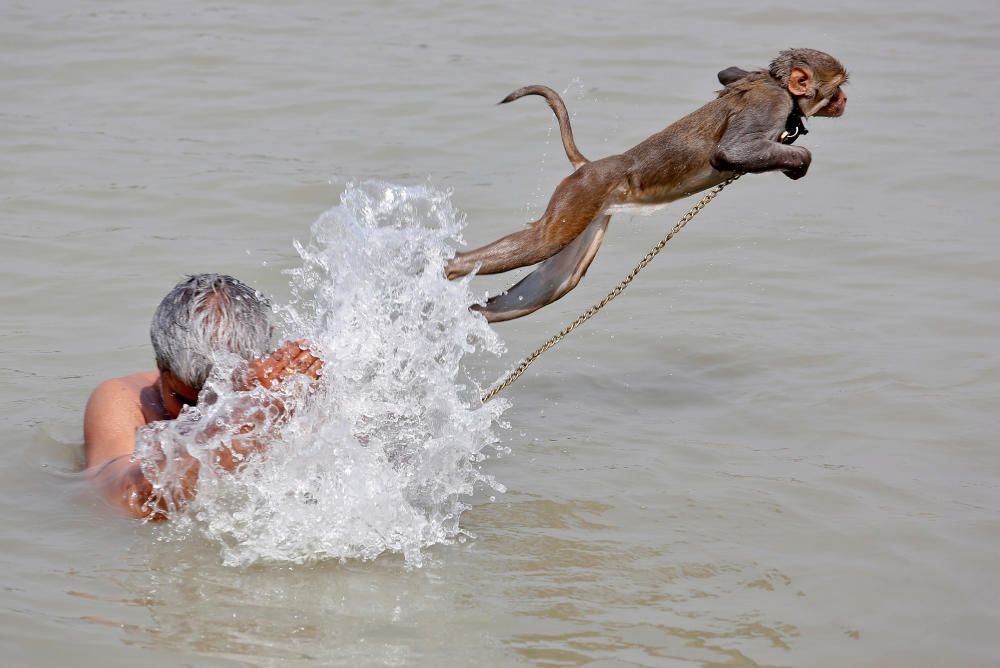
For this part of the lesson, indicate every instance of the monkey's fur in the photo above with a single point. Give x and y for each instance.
(739, 131)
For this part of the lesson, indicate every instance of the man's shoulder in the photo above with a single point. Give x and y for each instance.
(114, 411)
(121, 392)
(125, 383)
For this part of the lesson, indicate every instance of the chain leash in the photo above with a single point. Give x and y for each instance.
(592, 311)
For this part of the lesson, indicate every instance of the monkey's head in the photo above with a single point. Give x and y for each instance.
(814, 79)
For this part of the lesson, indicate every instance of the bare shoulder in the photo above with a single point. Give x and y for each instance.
(114, 412)
(115, 395)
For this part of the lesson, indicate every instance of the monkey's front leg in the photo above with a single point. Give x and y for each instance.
(761, 156)
(795, 173)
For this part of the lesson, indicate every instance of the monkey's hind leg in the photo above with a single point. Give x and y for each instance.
(510, 252)
(551, 280)
(576, 202)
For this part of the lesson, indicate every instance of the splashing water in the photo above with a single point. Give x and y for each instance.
(381, 455)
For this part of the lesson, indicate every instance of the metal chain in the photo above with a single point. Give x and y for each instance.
(592, 311)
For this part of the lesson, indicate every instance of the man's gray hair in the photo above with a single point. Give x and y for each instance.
(204, 315)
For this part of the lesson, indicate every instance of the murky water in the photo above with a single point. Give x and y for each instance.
(778, 448)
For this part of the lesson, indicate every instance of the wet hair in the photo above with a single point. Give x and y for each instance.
(782, 66)
(206, 314)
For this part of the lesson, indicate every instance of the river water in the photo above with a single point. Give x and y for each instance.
(778, 448)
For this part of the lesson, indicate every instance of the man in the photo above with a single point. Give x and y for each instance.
(203, 316)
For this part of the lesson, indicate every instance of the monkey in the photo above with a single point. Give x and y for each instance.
(748, 128)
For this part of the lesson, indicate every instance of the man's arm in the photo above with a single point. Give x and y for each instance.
(113, 418)
(122, 483)
(111, 422)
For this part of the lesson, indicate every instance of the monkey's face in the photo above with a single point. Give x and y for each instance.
(819, 94)
(836, 102)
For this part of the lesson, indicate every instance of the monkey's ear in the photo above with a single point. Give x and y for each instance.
(800, 81)
(731, 75)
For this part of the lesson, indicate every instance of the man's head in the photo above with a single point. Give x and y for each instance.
(204, 315)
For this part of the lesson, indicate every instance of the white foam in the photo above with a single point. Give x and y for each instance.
(382, 457)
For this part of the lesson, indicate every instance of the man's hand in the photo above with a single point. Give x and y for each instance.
(291, 358)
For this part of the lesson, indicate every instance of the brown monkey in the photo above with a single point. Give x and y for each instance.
(749, 127)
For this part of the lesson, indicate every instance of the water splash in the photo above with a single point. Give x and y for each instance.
(384, 454)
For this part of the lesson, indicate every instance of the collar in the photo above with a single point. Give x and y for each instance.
(794, 126)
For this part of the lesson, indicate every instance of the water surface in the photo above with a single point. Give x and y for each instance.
(778, 448)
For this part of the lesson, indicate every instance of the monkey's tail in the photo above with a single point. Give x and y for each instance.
(559, 108)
